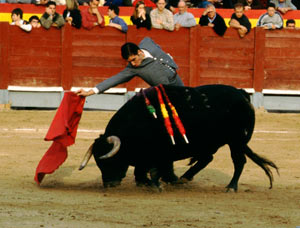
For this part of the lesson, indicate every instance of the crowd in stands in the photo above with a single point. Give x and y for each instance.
(159, 15)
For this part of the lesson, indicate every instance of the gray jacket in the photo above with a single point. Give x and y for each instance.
(161, 69)
(266, 20)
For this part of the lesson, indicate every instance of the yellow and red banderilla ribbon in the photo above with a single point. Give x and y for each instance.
(165, 115)
(175, 115)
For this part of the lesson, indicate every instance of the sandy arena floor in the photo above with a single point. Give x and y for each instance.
(72, 198)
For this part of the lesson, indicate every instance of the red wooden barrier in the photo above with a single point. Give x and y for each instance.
(225, 60)
(71, 57)
(282, 60)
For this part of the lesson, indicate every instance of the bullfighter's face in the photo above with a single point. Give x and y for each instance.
(136, 60)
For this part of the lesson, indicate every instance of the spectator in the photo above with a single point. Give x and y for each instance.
(296, 3)
(40, 2)
(171, 5)
(60, 2)
(239, 20)
(252, 4)
(72, 14)
(44, 2)
(214, 20)
(17, 19)
(17, 1)
(147, 61)
(271, 19)
(51, 18)
(86, 2)
(140, 17)
(113, 2)
(35, 21)
(91, 17)
(283, 6)
(204, 3)
(161, 18)
(127, 3)
(115, 21)
(183, 18)
(225, 4)
(290, 24)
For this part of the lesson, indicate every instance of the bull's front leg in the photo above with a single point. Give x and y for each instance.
(141, 178)
(165, 171)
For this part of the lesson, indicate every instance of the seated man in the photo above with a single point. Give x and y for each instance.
(271, 19)
(214, 20)
(115, 21)
(162, 18)
(91, 17)
(239, 20)
(17, 19)
(283, 6)
(183, 18)
(51, 18)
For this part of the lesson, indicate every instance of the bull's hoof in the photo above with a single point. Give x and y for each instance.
(111, 184)
(183, 180)
(172, 179)
(231, 187)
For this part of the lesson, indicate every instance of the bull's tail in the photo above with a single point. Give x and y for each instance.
(264, 163)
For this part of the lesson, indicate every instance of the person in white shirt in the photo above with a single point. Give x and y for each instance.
(17, 19)
(183, 18)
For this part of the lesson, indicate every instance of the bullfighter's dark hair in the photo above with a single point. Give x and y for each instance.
(114, 8)
(18, 12)
(129, 49)
(50, 3)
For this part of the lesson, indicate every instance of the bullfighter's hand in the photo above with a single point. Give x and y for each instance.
(82, 92)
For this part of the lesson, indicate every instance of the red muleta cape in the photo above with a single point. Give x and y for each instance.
(62, 132)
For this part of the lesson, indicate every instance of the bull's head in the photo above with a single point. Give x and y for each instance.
(104, 150)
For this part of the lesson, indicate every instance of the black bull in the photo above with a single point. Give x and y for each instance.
(213, 116)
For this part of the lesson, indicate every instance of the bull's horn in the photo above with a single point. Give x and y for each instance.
(117, 143)
(86, 158)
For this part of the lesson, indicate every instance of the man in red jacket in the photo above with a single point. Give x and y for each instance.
(91, 17)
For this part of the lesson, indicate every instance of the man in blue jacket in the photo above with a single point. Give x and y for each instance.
(147, 61)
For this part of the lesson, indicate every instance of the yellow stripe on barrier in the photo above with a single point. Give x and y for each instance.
(6, 17)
